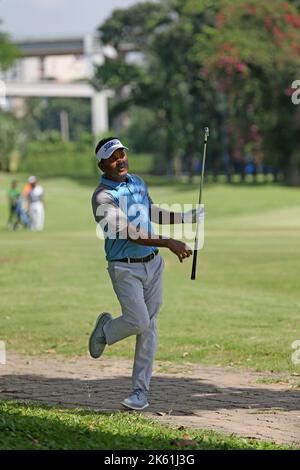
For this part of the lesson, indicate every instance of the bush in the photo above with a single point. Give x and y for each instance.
(58, 158)
(73, 159)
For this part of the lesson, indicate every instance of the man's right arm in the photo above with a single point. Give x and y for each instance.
(179, 248)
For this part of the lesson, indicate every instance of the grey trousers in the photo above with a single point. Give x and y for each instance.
(139, 289)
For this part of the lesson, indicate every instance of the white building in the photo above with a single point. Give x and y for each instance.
(58, 67)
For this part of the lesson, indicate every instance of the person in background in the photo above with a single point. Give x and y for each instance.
(27, 188)
(13, 196)
(35, 198)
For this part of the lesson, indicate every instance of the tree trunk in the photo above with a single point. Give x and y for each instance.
(292, 176)
(292, 172)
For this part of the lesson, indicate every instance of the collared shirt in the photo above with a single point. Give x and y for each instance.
(114, 205)
(35, 195)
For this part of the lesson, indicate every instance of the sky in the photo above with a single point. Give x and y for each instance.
(49, 18)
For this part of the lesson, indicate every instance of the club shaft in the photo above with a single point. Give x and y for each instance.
(195, 254)
(202, 172)
(193, 275)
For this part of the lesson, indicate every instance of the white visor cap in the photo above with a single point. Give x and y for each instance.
(32, 179)
(108, 149)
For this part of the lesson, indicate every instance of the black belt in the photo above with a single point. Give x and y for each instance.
(145, 259)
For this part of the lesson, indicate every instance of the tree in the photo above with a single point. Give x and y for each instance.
(78, 112)
(226, 63)
(132, 31)
(189, 100)
(9, 135)
(8, 51)
(10, 139)
(44, 114)
(252, 57)
(166, 80)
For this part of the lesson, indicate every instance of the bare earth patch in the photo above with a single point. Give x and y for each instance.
(245, 403)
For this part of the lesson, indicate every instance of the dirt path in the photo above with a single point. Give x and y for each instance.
(191, 395)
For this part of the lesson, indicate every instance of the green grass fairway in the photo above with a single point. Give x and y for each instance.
(24, 426)
(242, 310)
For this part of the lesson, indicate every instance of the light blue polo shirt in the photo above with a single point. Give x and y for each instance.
(133, 199)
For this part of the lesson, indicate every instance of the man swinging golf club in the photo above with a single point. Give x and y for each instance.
(123, 208)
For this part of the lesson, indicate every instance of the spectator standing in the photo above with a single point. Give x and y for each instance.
(35, 199)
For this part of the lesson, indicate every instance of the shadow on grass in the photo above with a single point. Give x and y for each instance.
(178, 396)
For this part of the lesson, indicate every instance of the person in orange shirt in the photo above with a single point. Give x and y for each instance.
(27, 188)
(23, 205)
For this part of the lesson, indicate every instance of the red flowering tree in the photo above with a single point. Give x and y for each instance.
(252, 56)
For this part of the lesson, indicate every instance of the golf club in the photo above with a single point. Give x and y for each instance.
(194, 267)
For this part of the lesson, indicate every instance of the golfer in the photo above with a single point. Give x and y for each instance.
(123, 208)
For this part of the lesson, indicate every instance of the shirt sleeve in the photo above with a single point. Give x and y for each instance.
(108, 214)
